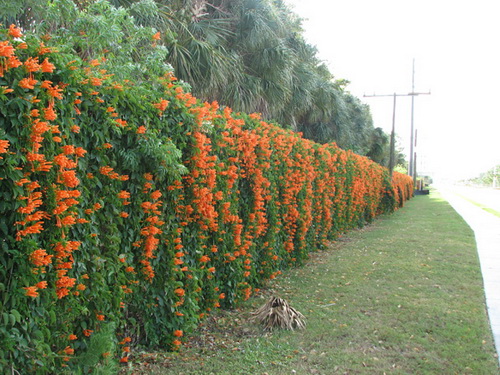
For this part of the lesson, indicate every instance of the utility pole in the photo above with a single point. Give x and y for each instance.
(413, 162)
(393, 132)
(413, 157)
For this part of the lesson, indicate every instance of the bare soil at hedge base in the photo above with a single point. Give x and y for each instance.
(401, 296)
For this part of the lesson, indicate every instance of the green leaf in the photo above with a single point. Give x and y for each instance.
(16, 315)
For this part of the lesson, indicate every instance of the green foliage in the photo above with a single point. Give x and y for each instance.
(249, 55)
(130, 209)
(488, 178)
(99, 357)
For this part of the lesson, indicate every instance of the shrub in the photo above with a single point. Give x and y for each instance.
(129, 211)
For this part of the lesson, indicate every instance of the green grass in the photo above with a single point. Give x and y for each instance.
(402, 296)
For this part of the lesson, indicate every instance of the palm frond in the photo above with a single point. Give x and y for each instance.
(277, 313)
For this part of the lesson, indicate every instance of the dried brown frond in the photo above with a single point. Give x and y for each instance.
(277, 313)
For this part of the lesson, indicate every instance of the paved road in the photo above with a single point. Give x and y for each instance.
(486, 227)
(485, 196)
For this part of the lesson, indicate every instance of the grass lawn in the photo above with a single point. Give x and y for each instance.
(401, 296)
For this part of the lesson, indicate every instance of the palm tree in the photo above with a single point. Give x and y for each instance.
(195, 33)
(247, 54)
(379, 148)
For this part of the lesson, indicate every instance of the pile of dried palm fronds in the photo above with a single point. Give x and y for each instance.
(277, 313)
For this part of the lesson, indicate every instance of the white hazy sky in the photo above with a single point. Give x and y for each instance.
(456, 47)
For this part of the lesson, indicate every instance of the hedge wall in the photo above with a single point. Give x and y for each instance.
(128, 212)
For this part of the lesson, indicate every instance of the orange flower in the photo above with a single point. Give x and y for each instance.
(35, 228)
(40, 258)
(124, 214)
(32, 64)
(72, 337)
(178, 333)
(157, 36)
(6, 50)
(41, 285)
(68, 149)
(15, 31)
(43, 50)
(100, 317)
(69, 351)
(87, 332)
(155, 195)
(65, 282)
(49, 113)
(162, 105)
(123, 194)
(31, 291)
(27, 83)
(96, 81)
(70, 179)
(179, 292)
(204, 259)
(46, 66)
(55, 92)
(105, 170)
(80, 152)
(141, 130)
(46, 84)
(4, 145)
(125, 340)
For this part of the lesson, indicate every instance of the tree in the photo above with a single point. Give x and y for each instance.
(379, 147)
(249, 55)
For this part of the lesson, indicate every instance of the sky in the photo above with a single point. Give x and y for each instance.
(456, 49)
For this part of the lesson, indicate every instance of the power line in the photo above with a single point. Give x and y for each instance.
(412, 169)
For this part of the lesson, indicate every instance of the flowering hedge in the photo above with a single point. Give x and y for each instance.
(128, 212)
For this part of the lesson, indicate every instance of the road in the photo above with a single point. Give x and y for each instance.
(487, 197)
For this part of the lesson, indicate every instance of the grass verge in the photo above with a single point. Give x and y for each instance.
(480, 205)
(401, 296)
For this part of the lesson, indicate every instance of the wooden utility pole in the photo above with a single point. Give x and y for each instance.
(412, 168)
